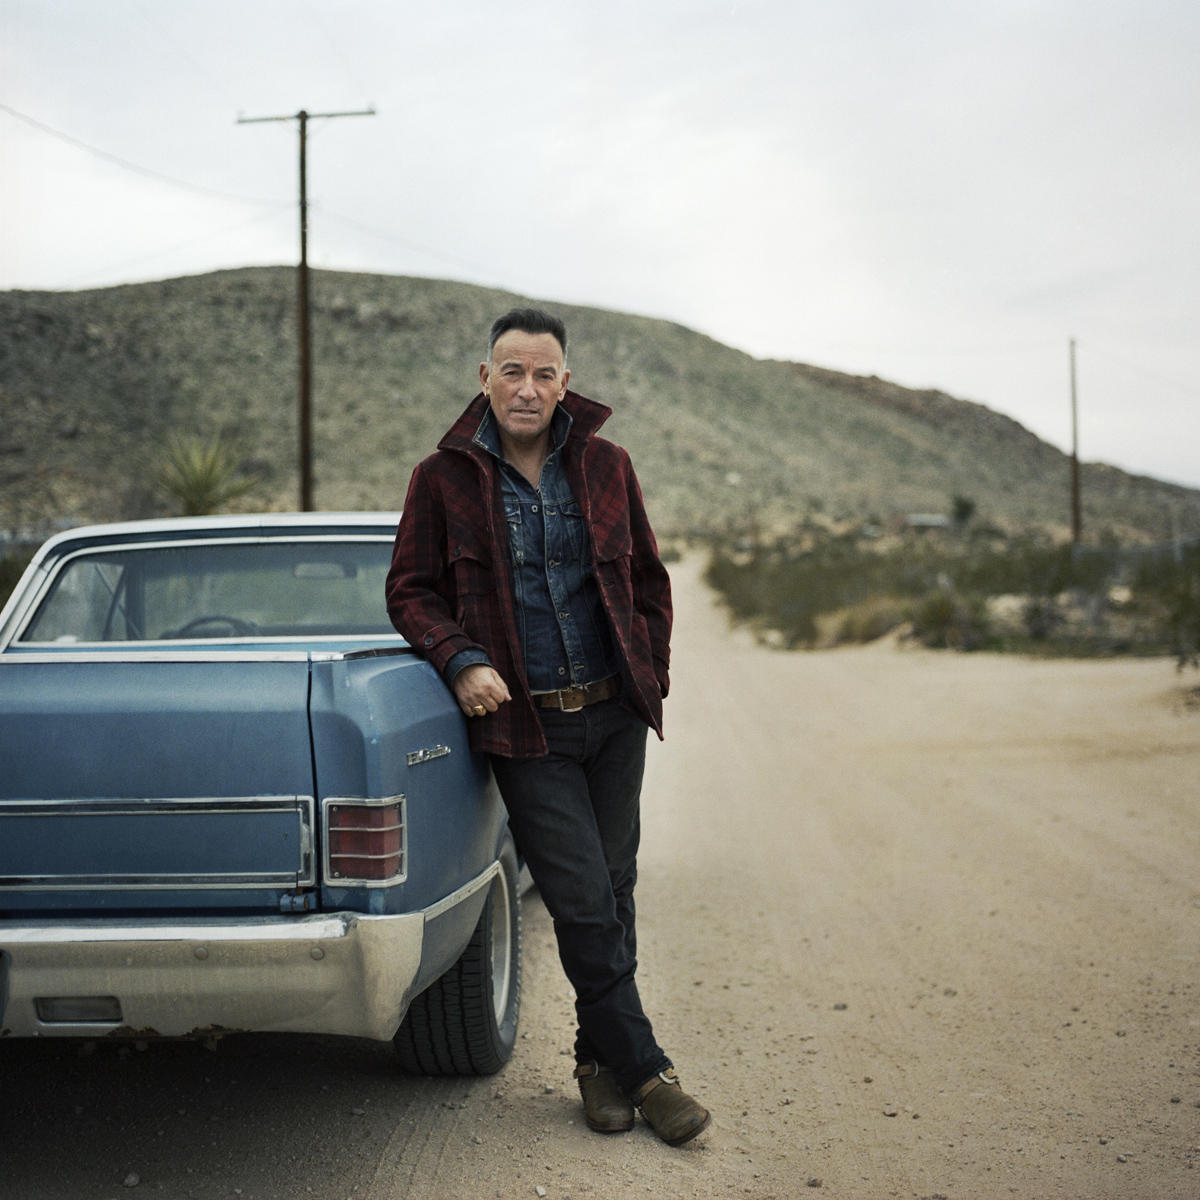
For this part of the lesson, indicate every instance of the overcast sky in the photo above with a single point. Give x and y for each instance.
(941, 193)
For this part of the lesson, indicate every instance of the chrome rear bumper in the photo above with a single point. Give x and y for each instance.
(340, 973)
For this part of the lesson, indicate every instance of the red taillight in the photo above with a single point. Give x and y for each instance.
(366, 841)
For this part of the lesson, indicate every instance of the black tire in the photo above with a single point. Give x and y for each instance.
(465, 1023)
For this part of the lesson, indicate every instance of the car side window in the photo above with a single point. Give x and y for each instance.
(87, 605)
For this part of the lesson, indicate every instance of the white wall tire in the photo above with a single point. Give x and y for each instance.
(465, 1022)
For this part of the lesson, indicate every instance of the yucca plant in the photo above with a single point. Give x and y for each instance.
(201, 475)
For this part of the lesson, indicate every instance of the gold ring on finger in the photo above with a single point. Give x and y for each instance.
(479, 710)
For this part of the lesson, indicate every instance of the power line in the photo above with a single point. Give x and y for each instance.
(262, 216)
(179, 50)
(944, 348)
(1183, 387)
(335, 46)
(199, 189)
(329, 215)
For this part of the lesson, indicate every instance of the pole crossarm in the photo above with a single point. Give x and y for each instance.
(362, 112)
(304, 338)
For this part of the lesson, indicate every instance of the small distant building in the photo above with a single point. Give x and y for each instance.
(927, 521)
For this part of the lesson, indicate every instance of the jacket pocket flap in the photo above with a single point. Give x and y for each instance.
(472, 575)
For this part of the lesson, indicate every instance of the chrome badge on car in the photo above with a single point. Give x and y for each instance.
(420, 756)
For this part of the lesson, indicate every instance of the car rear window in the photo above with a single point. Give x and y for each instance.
(300, 589)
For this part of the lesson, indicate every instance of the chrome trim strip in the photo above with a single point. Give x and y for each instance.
(137, 929)
(248, 539)
(19, 604)
(14, 658)
(125, 805)
(291, 639)
(368, 652)
(81, 1029)
(463, 893)
(308, 859)
(303, 806)
(231, 521)
(321, 926)
(351, 881)
(148, 883)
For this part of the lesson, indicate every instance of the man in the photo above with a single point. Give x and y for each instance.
(525, 571)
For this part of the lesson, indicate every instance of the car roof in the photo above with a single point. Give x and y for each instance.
(232, 525)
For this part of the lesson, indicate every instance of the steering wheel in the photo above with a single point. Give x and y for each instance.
(237, 627)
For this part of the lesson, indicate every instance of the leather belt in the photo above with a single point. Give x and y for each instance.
(573, 699)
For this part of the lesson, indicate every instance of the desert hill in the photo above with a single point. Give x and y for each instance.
(93, 382)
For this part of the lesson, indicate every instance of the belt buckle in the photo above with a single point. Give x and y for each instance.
(563, 707)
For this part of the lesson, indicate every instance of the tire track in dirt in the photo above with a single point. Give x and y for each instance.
(991, 862)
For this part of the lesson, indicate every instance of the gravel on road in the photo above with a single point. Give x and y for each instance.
(912, 924)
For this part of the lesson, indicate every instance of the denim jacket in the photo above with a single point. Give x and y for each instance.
(565, 635)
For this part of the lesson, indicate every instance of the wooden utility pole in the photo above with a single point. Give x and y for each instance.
(1076, 519)
(303, 328)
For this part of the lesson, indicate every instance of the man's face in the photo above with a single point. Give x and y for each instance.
(524, 382)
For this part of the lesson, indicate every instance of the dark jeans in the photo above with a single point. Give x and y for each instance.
(575, 817)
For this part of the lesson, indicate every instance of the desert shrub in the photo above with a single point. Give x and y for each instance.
(1041, 617)
(1057, 599)
(1169, 581)
(201, 477)
(942, 619)
(870, 619)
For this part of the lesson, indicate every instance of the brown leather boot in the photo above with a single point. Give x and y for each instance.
(672, 1113)
(607, 1107)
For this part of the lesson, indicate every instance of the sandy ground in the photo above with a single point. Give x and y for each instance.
(913, 924)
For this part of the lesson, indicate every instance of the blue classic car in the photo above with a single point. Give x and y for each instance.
(232, 798)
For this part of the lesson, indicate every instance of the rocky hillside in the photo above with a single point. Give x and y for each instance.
(92, 383)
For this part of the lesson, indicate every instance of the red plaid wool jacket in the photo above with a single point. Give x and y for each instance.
(450, 589)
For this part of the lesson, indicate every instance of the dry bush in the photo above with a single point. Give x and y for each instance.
(967, 591)
(201, 477)
(870, 620)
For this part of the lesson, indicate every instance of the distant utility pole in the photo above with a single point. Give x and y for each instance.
(302, 321)
(1076, 520)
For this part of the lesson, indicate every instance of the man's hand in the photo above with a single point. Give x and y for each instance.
(479, 686)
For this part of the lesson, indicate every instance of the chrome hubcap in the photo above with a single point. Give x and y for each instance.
(502, 933)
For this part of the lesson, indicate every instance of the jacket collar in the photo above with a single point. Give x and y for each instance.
(586, 418)
(488, 433)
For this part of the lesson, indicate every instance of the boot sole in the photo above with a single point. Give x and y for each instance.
(610, 1128)
(691, 1133)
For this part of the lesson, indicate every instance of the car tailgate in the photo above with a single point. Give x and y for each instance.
(135, 781)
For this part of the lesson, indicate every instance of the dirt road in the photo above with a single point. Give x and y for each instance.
(912, 923)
